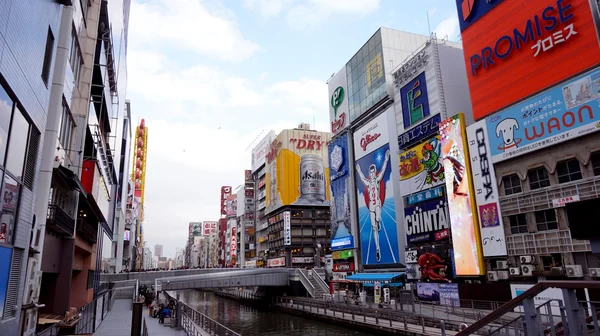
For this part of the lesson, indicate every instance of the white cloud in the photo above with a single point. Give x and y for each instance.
(268, 8)
(448, 27)
(188, 25)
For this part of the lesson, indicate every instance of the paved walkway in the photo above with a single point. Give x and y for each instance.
(117, 321)
(157, 329)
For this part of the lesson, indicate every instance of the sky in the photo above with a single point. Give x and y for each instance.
(212, 77)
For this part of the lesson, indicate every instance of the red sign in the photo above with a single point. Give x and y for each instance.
(272, 153)
(225, 192)
(339, 123)
(522, 47)
(277, 262)
(343, 267)
(442, 234)
(309, 141)
(367, 139)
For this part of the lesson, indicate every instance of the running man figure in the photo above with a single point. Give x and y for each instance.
(374, 197)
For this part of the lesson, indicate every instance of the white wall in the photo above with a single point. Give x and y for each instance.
(456, 87)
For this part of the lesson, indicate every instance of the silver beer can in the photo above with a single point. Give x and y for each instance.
(312, 178)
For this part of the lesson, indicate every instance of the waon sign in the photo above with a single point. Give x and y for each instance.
(515, 48)
(343, 267)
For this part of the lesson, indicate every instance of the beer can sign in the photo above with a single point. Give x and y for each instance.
(312, 178)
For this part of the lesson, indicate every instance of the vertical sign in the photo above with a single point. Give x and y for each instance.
(459, 187)
(486, 191)
(287, 229)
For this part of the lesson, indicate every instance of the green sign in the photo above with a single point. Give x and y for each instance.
(337, 255)
(336, 99)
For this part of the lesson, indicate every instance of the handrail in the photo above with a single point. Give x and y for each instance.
(324, 286)
(530, 293)
(304, 280)
(193, 318)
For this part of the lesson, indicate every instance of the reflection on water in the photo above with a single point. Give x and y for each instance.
(249, 321)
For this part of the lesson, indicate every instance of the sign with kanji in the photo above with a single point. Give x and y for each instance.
(561, 202)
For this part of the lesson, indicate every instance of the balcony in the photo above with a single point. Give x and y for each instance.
(59, 221)
(541, 199)
(545, 242)
(87, 231)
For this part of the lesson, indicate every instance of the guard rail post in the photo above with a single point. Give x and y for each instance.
(136, 318)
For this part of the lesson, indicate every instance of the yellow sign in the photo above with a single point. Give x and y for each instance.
(374, 70)
(297, 169)
(418, 158)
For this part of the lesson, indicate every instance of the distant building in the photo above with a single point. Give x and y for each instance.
(158, 250)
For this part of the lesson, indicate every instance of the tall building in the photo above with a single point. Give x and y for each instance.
(245, 213)
(259, 172)
(158, 250)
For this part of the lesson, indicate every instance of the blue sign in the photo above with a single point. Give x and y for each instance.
(420, 132)
(470, 11)
(5, 258)
(562, 113)
(341, 228)
(426, 195)
(376, 208)
(342, 243)
(427, 221)
(415, 102)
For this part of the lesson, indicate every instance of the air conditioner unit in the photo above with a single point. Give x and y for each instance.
(503, 275)
(527, 270)
(514, 271)
(525, 259)
(594, 272)
(501, 264)
(574, 271)
(492, 276)
(33, 282)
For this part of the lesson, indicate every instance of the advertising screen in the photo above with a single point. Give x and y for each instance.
(298, 169)
(338, 101)
(427, 221)
(259, 152)
(339, 177)
(196, 228)
(486, 191)
(375, 194)
(459, 187)
(231, 205)
(421, 167)
(564, 112)
(512, 51)
(5, 258)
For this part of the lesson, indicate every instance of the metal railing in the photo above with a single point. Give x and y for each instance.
(192, 320)
(50, 331)
(86, 230)
(59, 221)
(310, 288)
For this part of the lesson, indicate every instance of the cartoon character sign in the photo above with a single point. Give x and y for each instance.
(432, 267)
(421, 167)
(431, 162)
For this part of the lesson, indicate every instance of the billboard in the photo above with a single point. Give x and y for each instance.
(415, 101)
(208, 227)
(421, 167)
(298, 169)
(196, 228)
(486, 191)
(287, 228)
(231, 205)
(513, 50)
(422, 131)
(375, 193)
(339, 177)
(461, 203)
(259, 152)
(5, 258)
(427, 221)
(338, 101)
(225, 192)
(564, 112)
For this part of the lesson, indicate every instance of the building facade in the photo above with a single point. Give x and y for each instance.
(259, 171)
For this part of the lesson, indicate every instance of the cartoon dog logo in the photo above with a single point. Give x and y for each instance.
(506, 131)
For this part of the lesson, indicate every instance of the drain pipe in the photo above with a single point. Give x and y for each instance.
(50, 139)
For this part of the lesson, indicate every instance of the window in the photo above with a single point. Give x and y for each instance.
(17, 144)
(518, 224)
(48, 57)
(568, 170)
(546, 220)
(538, 178)
(595, 159)
(66, 127)
(512, 184)
(10, 200)
(75, 57)
(6, 105)
(90, 279)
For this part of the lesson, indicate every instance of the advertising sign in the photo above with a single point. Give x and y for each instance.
(338, 101)
(459, 187)
(260, 151)
(562, 113)
(225, 192)
(540, 299)
(208, 227)
(277, 262)
(233, 247)
(427, 221)
(339, 255)
(563, 201)
(196, 228)
(420, 132)
(341, 227)
(231, 205)
(486, 191)
(425, 195)
(375, 74)
(343, 267)
(421, 167)
(5, 258)
(287, 228)
(298, 169)
(415, 101)
(375, 194)
(515, 48)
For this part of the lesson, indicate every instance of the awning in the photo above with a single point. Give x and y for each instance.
(376, 277)
(391, 284)
(71, 179)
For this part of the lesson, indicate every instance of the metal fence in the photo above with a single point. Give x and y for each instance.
(192, 320)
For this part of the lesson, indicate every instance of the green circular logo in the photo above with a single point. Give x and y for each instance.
(336, 99)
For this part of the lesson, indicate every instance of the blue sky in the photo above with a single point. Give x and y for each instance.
(212, 77)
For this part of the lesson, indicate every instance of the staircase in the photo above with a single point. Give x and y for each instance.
(314, 284)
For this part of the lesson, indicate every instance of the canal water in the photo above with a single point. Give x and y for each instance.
(250, 321)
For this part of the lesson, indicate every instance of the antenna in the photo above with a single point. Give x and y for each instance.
(428, 26)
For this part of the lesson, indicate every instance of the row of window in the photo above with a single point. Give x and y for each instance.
(566, 171)
(545, 220)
